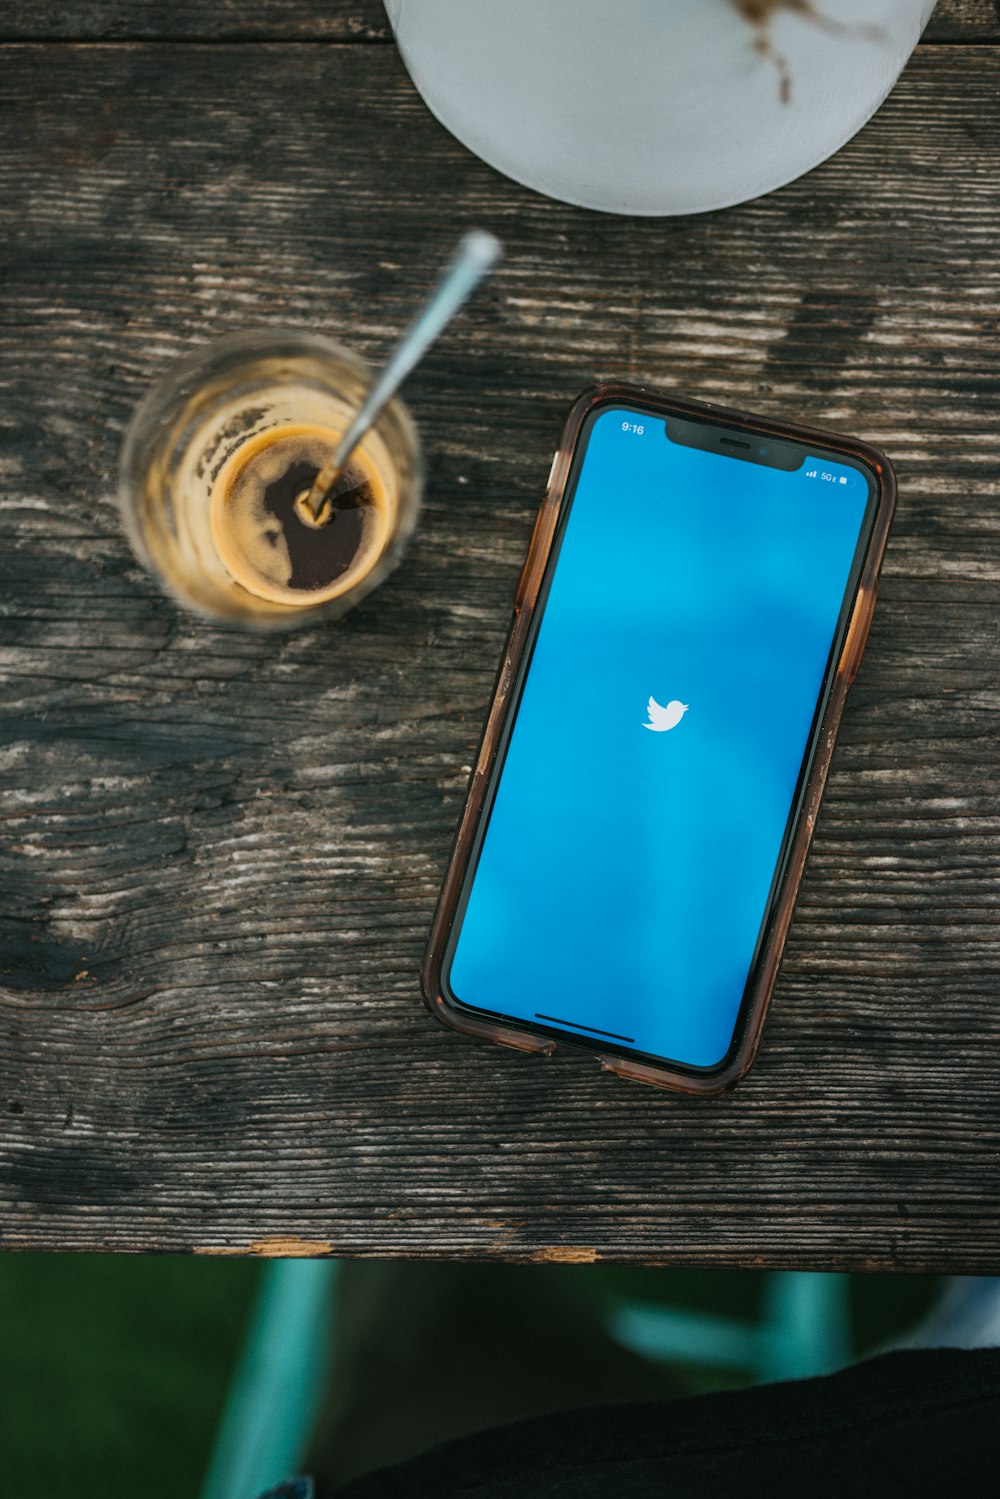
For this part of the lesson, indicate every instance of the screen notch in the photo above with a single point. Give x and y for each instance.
(732, 442)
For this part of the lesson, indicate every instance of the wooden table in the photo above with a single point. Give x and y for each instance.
(222, 853)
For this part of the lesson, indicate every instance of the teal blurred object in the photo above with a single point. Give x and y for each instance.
(275, 1394)
(804, 1329)
(966, 1315)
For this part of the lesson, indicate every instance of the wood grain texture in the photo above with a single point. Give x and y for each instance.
(222, 853)
(305, 20)
(964, 20)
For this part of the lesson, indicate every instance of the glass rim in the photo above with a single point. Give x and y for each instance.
(167, 396)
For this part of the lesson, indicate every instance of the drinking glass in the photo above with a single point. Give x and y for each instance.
(195, 421)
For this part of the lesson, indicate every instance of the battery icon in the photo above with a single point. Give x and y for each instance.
(843, 479)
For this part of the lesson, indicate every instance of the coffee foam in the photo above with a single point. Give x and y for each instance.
(263, 544)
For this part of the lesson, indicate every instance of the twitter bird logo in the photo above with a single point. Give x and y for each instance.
(664, 718)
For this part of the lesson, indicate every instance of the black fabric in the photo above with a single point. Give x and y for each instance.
(924, 1422)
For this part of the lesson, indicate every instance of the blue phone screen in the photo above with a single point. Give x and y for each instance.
(642, 805)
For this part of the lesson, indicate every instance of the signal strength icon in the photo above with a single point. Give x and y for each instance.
(811, 473)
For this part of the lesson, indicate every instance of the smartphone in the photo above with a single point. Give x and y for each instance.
(693, 607)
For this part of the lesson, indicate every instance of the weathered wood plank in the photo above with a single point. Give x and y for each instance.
(964, 20)
(249, 20)
(333, 20)
(222, 853)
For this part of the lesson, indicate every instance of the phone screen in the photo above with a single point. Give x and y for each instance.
(626, 865)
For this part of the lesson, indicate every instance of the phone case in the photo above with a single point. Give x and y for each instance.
(525, 600)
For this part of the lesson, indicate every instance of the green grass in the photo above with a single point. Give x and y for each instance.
(114, 1370)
